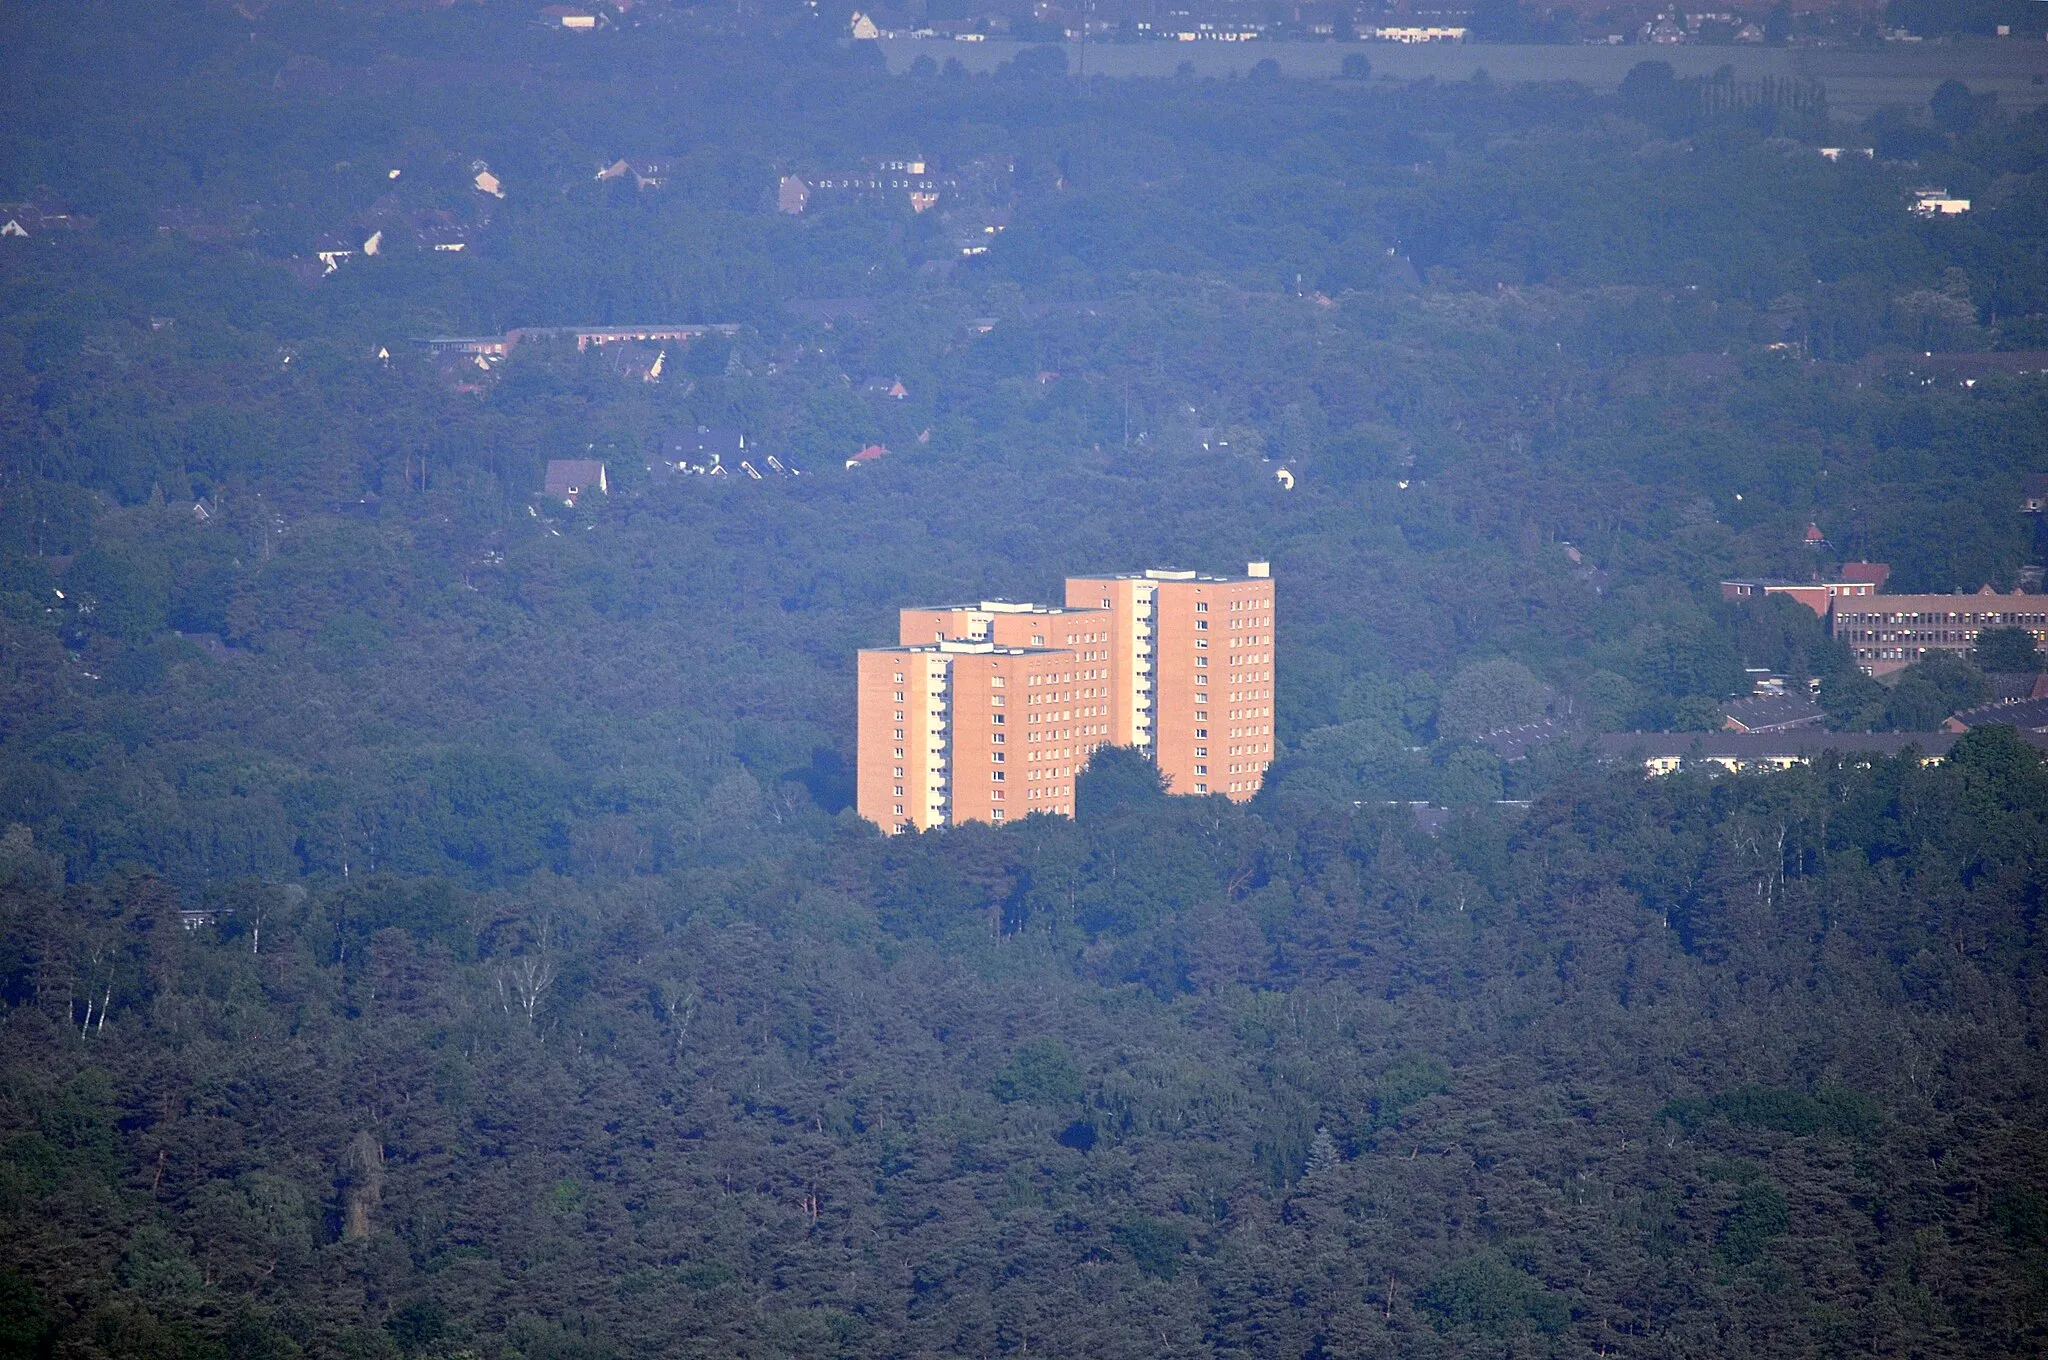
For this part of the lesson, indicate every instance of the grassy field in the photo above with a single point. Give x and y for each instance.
(1859, 81)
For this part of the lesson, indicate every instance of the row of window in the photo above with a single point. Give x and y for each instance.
(2000, 620)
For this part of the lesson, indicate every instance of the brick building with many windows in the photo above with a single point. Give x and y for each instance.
(1890, 632)
(988, 711)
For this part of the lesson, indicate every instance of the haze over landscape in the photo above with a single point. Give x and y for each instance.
(979, 678)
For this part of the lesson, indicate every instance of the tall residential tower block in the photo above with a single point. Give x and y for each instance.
(988, 711)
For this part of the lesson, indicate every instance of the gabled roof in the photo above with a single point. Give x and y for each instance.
(1772, 713)
(570, 476)
(2030, 715)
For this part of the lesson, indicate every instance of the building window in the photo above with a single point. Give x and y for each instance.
(1201, 788)
(996, 775)
(1201, 769)
(1201, 625)
(1201, 750)
(1201, 606)
(996, 815)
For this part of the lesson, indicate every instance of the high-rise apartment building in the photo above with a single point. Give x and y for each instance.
(988, 711)
(1192, 674)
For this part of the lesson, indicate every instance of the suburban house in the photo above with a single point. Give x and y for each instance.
(333, 253)
(39, 215)
(704, 448)
(645, 174)
(569, 478)
(867, 455)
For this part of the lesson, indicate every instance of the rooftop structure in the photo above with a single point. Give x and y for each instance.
(1854, 580)
(1772, 713)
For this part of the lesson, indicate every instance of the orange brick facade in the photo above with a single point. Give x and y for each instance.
(988, 712)
(1213, 711)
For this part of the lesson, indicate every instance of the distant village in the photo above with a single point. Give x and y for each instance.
(1610, 22)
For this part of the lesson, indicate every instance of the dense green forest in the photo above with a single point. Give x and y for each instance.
(537, 993)
(1690, 1069)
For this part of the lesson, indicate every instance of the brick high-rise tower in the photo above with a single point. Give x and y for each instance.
(1192, 672)
(988, 711)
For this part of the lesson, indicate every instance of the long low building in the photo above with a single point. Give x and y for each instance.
(585, 336)
(1664, 752)
(1890, 632)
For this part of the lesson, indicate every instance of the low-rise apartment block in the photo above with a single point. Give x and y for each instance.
(988, 711)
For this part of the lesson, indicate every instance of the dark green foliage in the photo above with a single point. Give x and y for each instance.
(1048, 62)
(1155, 1244)
(1918, 699)
(1041, 1070)
(418, 1327)
(1760, 1217)
(1928, 691)
(1117, 777)
(1829, 1110)
(2006, 650)
(1491, 1297)
(2023, 1214)
(1405, 1082)
(1487, 696)
(736, 1077)
(26, 1326)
